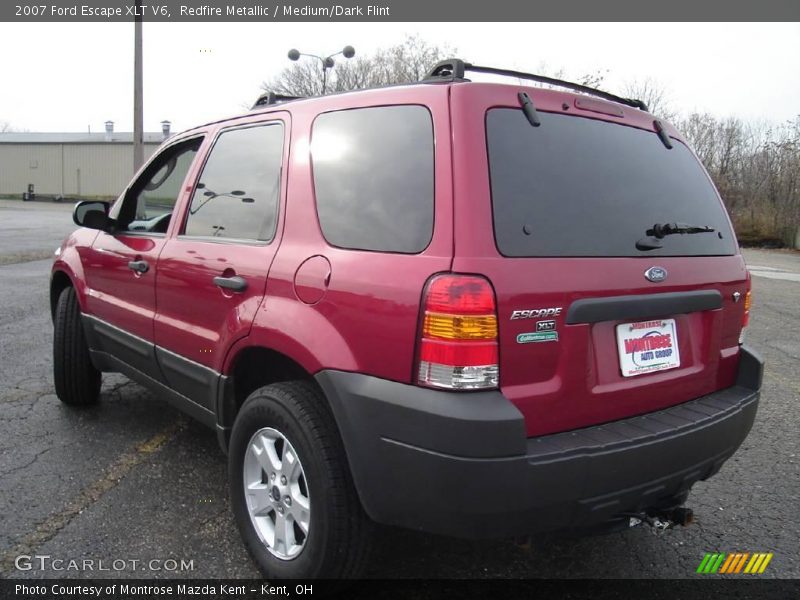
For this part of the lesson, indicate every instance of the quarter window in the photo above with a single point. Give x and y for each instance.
(238, 191)
(373, 178)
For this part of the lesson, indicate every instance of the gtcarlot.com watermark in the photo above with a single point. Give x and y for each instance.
(46, 562)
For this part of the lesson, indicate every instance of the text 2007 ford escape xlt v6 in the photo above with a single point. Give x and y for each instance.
(474, 309)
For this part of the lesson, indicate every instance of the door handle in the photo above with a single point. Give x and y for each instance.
(140, 266)
(235, 283)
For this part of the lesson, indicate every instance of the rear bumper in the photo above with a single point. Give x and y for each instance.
(459, 464)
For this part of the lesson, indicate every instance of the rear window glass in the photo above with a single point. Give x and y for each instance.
(583, 187)
(373, 178)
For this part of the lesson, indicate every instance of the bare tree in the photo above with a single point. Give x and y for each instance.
(405, 62)
(594, 79)
(5, 127)
(756, 168)
(700, 131)
(653, 94)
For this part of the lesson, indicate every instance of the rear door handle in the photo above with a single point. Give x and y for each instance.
(235, 283)
(140, 266)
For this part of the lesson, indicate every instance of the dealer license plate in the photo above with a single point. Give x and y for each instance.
(647, 347)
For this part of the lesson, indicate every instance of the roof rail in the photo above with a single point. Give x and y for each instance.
(454, 69)
(268, 98)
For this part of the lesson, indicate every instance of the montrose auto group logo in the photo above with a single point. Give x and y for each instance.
(652, 345)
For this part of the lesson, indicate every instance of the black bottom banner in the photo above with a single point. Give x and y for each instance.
(498, 589)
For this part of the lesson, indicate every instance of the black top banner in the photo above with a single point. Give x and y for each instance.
(400, 10)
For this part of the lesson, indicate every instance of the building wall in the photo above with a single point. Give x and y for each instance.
(72, 170)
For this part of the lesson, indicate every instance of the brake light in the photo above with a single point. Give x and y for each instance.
(458, 345)
(748, 301)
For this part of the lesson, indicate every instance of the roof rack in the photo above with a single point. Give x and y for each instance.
(268, 98)
(454, 69)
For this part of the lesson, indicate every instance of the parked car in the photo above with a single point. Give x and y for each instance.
(474, 309)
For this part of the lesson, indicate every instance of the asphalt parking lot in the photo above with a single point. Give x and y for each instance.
(132, 479)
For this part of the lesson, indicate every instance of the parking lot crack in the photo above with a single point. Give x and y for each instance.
(48, 528)
(27, 464)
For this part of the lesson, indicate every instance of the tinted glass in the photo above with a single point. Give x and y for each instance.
(149, 207)
(373, 176)
(582, 187)
(238, 191)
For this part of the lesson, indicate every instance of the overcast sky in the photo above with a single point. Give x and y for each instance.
(67, 77)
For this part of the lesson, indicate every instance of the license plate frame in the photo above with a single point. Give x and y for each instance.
(647, 347)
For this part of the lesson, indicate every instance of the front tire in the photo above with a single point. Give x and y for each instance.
(291, 489)
(77, 381)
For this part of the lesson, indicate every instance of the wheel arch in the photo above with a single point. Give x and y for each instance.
(59, 281)
(247, 369)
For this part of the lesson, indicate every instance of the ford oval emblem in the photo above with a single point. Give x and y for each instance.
(656, 274)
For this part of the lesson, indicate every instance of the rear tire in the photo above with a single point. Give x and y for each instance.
(286, 449)
(77, 381)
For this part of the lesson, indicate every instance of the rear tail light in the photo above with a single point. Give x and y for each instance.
(458, 344)
(748, 300)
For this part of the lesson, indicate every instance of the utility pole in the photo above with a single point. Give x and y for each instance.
(138, 119)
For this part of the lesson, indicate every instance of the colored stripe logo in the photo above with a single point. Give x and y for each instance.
(735, 562)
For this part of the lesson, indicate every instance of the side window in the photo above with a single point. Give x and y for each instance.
(373, 178)
(149, 204)
(238, 192)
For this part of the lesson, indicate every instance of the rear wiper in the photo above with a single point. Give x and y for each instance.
(659, 231)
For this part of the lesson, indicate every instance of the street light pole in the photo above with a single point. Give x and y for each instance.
(327, 62)
(138, 118)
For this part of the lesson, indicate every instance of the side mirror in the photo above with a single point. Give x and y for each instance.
(91, 214)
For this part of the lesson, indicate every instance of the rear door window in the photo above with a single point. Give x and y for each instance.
(373, 178)
(239, 189)
(583, 187)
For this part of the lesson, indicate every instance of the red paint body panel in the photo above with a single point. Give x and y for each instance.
(361, 313)
(577, 381)
(368, 319)
(195, 318)
(70, 260)
(117, 294)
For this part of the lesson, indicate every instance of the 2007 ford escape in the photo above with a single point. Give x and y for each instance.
(474, 309)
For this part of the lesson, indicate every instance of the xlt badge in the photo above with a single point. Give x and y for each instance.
(545, 325)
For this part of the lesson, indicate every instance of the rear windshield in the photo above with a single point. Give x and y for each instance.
(582, 187)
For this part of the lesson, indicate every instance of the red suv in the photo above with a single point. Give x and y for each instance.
(474, 309)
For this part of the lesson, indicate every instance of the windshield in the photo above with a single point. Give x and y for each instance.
(583, 187)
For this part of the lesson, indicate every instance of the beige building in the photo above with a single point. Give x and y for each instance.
(71, 165)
